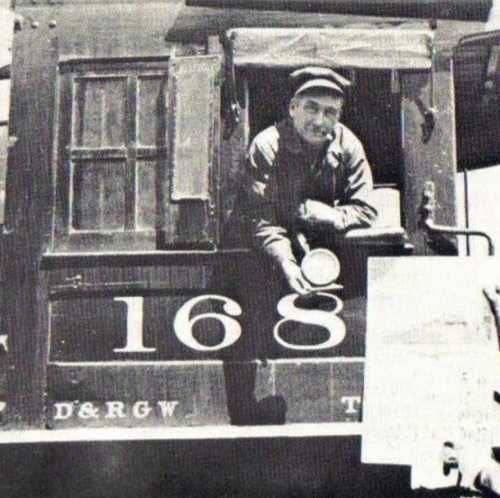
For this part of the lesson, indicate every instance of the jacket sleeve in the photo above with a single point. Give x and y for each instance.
(355, 206)
(268, 235)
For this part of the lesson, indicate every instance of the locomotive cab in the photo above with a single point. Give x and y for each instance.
(136, 244)
(141, 310)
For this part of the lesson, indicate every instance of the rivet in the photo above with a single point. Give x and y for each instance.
(52, 23)
(35, 24)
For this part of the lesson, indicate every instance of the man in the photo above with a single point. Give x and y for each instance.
(310, 175)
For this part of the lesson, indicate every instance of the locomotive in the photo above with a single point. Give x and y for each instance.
(143, 355)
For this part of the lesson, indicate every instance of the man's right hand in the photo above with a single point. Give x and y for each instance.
(295, 278)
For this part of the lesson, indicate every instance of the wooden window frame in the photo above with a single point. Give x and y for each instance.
(65, 237)
(181, 221)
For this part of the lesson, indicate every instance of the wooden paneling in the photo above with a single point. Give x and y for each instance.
(193, 89)
(432, 160)
(191, 394)
(204, 393)
(28, 211)
(193, 115)
(3, 166)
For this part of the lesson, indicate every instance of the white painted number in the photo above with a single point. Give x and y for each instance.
(183, 324)
(327, 319)
(135, 320)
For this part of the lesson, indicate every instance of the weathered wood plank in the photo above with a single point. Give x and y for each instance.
(190, 201)
(100, 396)
(204, 393)
(431, 160)
(28, 214)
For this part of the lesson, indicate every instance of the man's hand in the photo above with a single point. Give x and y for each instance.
(295, 278)
(313, 213)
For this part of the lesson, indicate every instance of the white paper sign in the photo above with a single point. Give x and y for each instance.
(430, 370)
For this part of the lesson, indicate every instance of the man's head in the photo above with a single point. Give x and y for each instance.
(316, 105)
(314, 114)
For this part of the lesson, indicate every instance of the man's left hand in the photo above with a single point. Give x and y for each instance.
(313, 213)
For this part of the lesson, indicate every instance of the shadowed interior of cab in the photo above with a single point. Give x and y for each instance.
(372, 111)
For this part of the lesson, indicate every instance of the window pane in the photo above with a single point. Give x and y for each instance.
(151, 107)
(100, 113)
(99, 195)
(146, 194)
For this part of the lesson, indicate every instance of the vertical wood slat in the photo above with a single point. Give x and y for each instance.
(131, 184)
(232, 162)
(29, 214)
(434, 160)
(65, 135)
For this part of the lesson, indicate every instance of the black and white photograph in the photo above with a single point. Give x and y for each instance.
(249, 248)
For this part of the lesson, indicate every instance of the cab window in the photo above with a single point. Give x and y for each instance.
(128, 175)
(372, 111)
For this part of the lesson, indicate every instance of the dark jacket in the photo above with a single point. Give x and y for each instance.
(339, 175)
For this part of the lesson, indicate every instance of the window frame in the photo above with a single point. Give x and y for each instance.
(66, 152)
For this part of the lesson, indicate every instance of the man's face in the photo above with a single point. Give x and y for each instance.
(315, 115)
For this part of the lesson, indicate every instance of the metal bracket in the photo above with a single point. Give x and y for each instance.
(428, 211)
(428, 111)
(429, 115)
